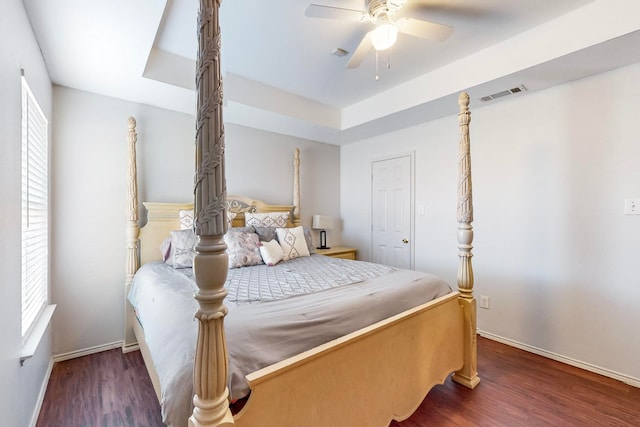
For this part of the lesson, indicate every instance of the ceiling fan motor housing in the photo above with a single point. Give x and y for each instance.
(383, 14)
(382, 10)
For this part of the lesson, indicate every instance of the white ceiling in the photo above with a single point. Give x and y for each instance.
(280, 74)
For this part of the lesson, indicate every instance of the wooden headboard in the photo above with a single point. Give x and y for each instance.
(143, 243)
(162, 218)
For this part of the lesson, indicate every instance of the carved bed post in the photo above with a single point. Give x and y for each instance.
(132, 231)
(296, 187)
(211, 406)
(468, 375)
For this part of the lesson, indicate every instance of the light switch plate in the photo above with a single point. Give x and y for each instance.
(484, 301)
(632, 206)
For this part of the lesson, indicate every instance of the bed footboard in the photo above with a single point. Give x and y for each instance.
(369, 377)
(388, 368)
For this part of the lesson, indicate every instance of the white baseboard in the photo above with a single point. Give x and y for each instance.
(43, 391)
(86, 351)
(635, 382)
(129, 348)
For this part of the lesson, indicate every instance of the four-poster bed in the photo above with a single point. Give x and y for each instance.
(367, 377)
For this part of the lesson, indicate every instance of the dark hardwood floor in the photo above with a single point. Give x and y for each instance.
(107, 389)
(517, 389)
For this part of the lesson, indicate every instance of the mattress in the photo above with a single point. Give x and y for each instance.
(274, 313)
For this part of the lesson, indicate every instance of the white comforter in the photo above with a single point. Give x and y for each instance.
(262, 333)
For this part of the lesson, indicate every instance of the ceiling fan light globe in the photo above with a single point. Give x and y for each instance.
(384, 36)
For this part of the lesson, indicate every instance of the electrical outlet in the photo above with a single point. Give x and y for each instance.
(484, 301)
(632, 206)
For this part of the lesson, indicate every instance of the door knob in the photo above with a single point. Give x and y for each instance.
(405, 241)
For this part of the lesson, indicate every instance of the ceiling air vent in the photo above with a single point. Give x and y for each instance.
(504, 93)
(339, 52)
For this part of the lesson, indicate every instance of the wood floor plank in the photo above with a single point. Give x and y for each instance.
(518, 388)
(523, 389)
(107, 389)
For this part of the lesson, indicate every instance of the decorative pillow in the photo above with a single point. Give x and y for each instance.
(309, 238)
(268, 219)
(242, 249)
(165, 250)
(183, 250)
(292, 242)
(269, 233)
(241, 229)
(186, 219)
(271, 252)
(265, 234)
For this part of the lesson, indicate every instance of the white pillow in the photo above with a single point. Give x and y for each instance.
(186, 219)
(293, 243)
(271, 252)
(267, 219)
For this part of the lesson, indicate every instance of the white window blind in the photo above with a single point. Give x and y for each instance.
(35, 188)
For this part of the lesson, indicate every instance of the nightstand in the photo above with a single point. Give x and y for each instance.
(339, 252)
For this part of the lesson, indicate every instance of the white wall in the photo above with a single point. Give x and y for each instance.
(260, 164)
(90, 161)
(89, 199)
(20, 387)
(553, 250)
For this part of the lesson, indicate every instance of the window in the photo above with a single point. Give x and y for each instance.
(35, 188)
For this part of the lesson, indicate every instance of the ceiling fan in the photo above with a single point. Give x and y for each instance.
(382, 13)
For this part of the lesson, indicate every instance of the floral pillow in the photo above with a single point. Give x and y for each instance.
(241, 230)
(242, 249)
(266, 219)
(271, 252)
(293, 242)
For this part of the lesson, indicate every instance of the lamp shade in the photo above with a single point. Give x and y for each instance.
(321, 222)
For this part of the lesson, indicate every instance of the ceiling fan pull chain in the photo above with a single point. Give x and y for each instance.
(377, 76)
(388, 62)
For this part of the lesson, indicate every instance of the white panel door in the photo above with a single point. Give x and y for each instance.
(391, 212)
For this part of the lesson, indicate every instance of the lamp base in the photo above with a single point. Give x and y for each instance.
(323, 240)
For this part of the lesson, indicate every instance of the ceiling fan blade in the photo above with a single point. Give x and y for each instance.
(444, 10)
(361, 51)
(424, 29)
(328, 12)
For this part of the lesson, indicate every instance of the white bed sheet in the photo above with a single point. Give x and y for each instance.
(163, 298)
